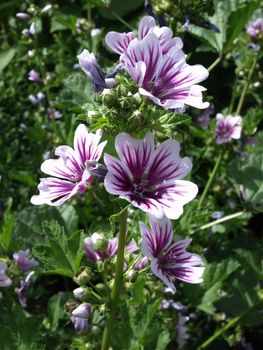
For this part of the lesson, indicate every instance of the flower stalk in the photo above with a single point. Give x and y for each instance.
(210, 180)
(117, 281)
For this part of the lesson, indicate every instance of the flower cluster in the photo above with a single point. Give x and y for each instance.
(158, 66)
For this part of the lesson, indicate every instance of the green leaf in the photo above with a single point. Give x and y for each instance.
(7, 226)
(6, 57)
(163, 340)
(55, 310)
(61, 21)
(60, 254)
(248, 172)
(252, 260)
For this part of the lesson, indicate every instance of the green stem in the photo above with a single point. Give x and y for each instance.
(245, 88)
(219, 221)
(210, 180)
(121, 20)
(117, 281)
(230, 324)
(214, 64)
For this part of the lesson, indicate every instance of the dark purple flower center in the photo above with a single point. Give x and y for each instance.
(140, 188)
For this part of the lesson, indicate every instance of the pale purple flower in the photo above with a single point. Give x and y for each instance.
(24, 285)
(5, 281)
(22, 15)
(110, 250)
(80, 324)
(79, 292)
(34, 76)
(182, 334)
(217, 215)
(157, 65)
(47, 8)
(39, 98)
(53, 113)
(255, 29)
(169, 261)
(82, 311)
(227, 128)
(149, 177)
(80, 317)
(69, 175)
(23, 261)
(33, 99)
(89, 65)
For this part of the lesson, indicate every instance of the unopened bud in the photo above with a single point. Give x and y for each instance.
(70, 306)
(122, 90)
(83, 277)
(108, 98)
(100, 287)
(95, 330)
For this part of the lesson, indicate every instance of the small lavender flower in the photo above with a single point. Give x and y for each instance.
(24, 285)
(89, 65)
(204, 119)
(182, 334)
(41, 97)
(23, 16)
(69, 175)
(111, 248)
(166, 304)
(227, 128)
(255, 30)
(33, 99)
(217, 215)
(79, 292)
(149, 177)
(34, 76)
(5, 281)
(53, 113)
(169, 261)
(31, 31)
(23, 261)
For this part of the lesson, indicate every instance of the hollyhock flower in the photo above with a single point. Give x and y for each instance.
(69, 175)
(255, 29)
(157, 65)
(79, 292)
(169, 261)
(141, 264)
(83, 311)
(23, 261)
(34, 76)
(22, 15)
(111, 248)
(182, 333)
(89, 65)
(227, 128)
(31, 32)
(80, 324)
(149, 177)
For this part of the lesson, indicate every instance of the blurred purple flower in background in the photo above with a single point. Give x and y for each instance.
(169, 261)
(69, 170)
(34, 76)
(23, 16)
(23, 261)
(255, 30)
(31, 31)
(24, 285)
(5, 281)
(53, 113)
(149, 177)
(227, 128)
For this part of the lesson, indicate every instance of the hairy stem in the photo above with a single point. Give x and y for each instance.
(117, 281)
(210, 180)
(214, 64)
(245, 88)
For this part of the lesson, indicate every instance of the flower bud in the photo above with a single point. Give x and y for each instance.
(100, 287)
(83, 277)
(122, 90)
(70, 306)
(108, 98)
(83, 310)
(79, 292)
(95, 330)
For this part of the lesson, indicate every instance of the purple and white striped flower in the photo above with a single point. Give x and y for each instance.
(23, 261)
(148, 177)
(111, 248)
(69, 175)
(157, 64)
(89, 65)
(169, 261)
(119, 42)
(227, 128)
